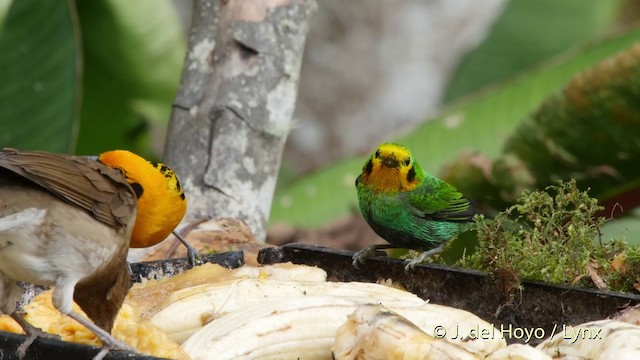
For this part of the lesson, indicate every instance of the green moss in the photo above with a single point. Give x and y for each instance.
(553, 236)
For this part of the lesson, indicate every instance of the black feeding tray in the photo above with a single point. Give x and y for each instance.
(538, 305)
(45, 349)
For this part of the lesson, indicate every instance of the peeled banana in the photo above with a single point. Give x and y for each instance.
(373, 332)
(282, 271)
(518, 352)
(188, 310)
(285, 329)
(602, 339)
(302, 327)
(149, 295)
(456, 326)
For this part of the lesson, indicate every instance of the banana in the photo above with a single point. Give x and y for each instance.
(149, 295)
(283, 329)
(186, 311)
(518, 352)
(602, 339)
(283, 271)
(374, 332)
(456, 326)
(305, 327)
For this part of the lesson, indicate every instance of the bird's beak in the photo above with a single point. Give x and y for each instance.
(390, 162)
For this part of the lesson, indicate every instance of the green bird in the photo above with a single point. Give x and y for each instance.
(407, 206)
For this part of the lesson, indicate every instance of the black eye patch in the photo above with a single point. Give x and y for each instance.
(368, 168)
(411, 175)
(137, 188)
(377, 153)
(407, 161)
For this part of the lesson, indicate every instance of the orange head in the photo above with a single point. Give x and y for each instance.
(161, 201)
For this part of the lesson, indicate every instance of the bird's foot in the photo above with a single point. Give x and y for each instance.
(192, 254)
(31, 337)
(360, 256)
(108, 342)
(194, 257)
(32, 334)
(409, 264)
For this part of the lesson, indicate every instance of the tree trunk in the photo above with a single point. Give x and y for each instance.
(232, 113)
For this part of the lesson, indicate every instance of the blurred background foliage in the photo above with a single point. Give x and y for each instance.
(85, 76)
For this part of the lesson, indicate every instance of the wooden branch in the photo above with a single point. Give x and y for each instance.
(233, 110)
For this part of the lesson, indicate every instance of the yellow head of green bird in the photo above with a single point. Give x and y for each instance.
(391, 168)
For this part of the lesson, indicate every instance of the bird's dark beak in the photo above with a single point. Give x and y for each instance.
(390, 162)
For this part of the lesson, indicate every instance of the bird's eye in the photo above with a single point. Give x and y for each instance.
(407, 161)
(377, 153)
(137, 188)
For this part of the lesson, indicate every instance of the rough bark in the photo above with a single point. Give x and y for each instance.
(233, 110)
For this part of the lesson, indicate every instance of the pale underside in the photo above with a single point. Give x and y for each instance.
(35, 248)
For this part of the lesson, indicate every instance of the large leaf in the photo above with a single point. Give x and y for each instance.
(482, 123)
(40, 69)
(133, 55)
(627, 228)
(4, 8)
(527, 33)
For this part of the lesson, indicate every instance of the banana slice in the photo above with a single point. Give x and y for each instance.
(305, 327)
(374, 332)
(188, 310)
(602, 339)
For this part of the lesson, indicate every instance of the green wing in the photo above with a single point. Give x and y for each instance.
(438, 200)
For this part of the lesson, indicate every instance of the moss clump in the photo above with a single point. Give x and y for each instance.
(553, 236)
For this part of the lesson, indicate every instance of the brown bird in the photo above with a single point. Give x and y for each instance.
(67, 221)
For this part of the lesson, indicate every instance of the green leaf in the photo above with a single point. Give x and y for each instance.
(4, 8)
(627, 228)
(587, 131)
(481, 122)
(39, 68)
(527, 33)
(133, 54)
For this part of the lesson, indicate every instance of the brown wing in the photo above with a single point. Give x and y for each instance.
(100, 190)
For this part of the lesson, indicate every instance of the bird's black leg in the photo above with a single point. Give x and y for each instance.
(360, 256)
(32, 334)
(192, 253)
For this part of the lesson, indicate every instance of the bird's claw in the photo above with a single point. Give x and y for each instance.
(361, 256)
(22, 349)
(113, 345)
(357, 260)
(108, 341)
(103, 352)
(32, 334)
(192, 254)
(410, 264)
(194, 258)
